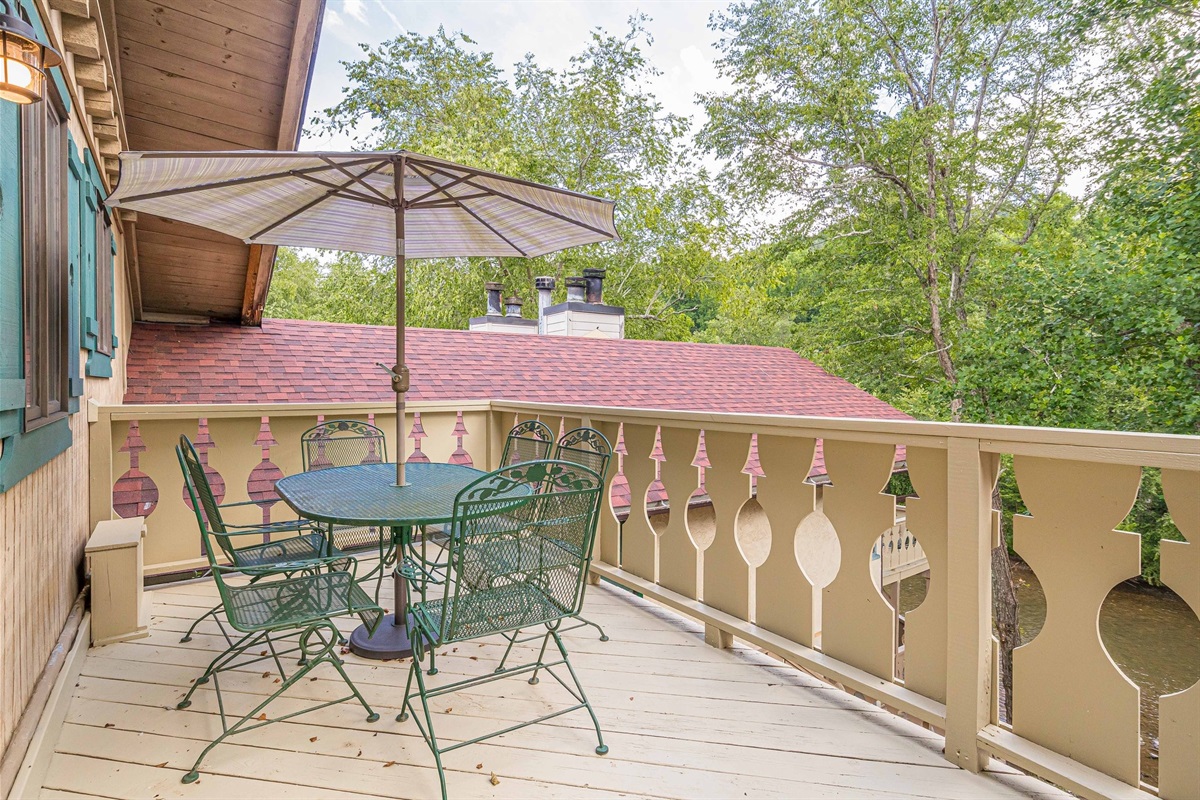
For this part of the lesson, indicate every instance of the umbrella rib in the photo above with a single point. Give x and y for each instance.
(534, 206)
(328, 194)
(358, 179)
(443, 203)
(231, 182)
(441, 188)
(478, 218)
(441, 166)
(350, 193)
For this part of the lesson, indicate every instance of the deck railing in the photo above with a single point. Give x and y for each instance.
(757, 564)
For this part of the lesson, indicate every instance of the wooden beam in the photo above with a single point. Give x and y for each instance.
(99, 104)
(305, 32)
(91, 73)
(109, 150)
(81, 36)
(74, 8)
(106, 129)
(129, 220)
(258, 275)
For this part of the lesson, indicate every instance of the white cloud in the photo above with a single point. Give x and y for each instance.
(355, 9)
(333, 19)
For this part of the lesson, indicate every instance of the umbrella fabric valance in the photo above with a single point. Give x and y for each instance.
(345, 201)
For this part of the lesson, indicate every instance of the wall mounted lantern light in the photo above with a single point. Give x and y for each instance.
(24, 58)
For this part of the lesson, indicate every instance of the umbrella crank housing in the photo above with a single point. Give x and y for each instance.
(400, 377)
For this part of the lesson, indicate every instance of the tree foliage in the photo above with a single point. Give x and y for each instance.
(591, 127)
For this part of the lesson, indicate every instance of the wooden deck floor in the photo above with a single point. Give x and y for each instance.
(682, 719)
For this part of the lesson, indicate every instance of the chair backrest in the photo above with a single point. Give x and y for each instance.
(208, 513)
(527, 441)
(342, 443)
(588, 447)
(522, 541)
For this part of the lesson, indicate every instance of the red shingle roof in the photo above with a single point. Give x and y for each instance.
(301, 361)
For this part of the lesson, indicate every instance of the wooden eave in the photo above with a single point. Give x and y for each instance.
(208, 75)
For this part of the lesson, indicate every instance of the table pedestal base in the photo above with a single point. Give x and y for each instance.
(390, 641)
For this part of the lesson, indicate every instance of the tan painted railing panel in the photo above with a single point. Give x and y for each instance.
(726, 571)
(925, 626)
(678, 556)
(1068, 694)
(1179, 713)
(784, 596)
(858, 624)
(639, 542)
(1076, 717)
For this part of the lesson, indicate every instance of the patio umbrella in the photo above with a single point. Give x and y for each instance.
(394, 203)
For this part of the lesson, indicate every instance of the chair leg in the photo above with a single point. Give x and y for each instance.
(541, 659)
(415, 671)
(212, 612)
(316, 652)
(601, 748)
(603, 635)
(512, 639)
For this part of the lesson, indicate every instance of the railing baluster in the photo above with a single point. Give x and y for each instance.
(639, 551)
(726, 573)
(925, 626)
(858, 625)
(784, 595)
(1179, 713)
(678, 559)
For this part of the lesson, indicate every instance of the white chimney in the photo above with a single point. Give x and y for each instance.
(584, 313)
(504, 319)
(545, 289)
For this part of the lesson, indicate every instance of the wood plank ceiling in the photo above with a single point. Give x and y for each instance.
(210, 75)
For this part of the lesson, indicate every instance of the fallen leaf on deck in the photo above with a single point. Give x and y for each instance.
(479, 766)
(494, 780)
(313, 739)
(276, 681)
(448, 710)
(263, 653)
(161, 765)
(389, 764)
(474, 658)
(266, 674)
(110, 724)
(262, 717)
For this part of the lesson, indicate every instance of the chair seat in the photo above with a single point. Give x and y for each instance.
(515, 557)
(295, 602)
(485, 612)
(305, 547)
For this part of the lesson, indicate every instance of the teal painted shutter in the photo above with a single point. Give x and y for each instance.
(76, 257)
(99, 365)
(12, 337)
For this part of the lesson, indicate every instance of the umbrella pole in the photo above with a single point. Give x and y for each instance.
(400, 371)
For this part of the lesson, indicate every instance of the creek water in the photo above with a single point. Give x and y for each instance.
(1151, 634)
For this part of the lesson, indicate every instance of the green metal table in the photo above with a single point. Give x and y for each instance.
(367, 496)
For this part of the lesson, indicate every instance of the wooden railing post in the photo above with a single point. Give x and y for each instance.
(100, 464)
(970, 478)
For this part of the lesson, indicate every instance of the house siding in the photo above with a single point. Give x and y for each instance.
(44, 519)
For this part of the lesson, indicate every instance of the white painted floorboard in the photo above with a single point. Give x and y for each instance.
(682, 720)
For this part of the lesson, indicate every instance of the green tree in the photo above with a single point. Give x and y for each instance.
(925, 139)
(590, 127)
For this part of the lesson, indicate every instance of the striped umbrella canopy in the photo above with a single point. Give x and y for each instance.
(395, 203)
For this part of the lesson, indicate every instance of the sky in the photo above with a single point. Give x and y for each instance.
(552, 30)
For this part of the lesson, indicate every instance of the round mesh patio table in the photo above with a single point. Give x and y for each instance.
(367, 495)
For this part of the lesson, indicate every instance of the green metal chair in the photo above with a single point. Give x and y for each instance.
(531, 440)
(270, 612)
(347, 443)
(519, 550)
(590, 448)
(309, 548)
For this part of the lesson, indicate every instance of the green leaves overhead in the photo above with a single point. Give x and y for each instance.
(591, 127)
